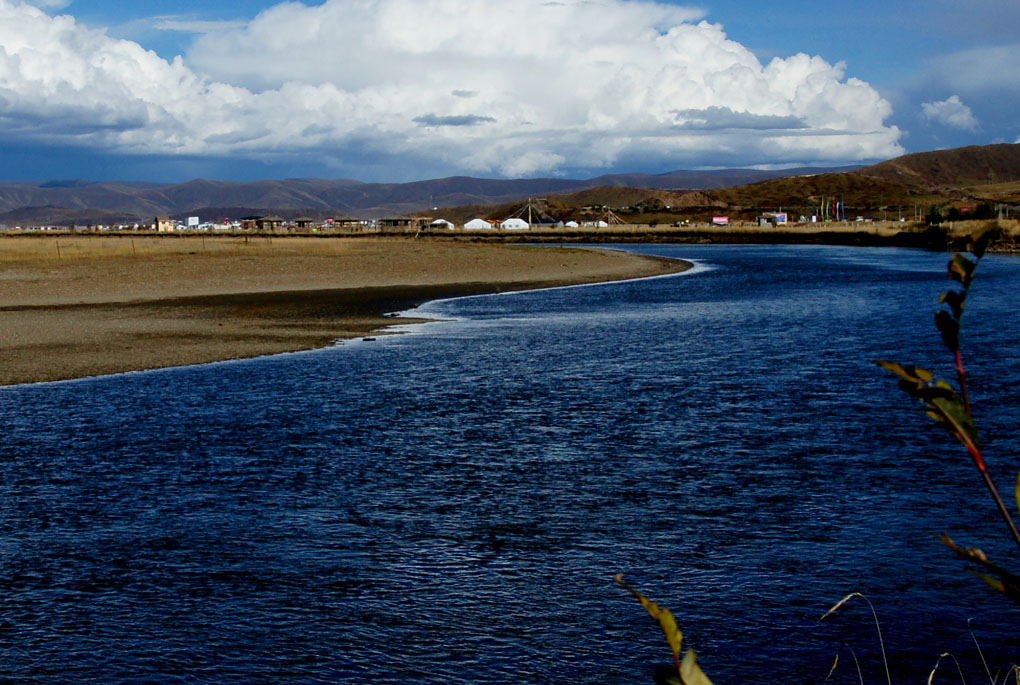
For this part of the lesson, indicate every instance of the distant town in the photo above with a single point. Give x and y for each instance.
(410, 225)
(418, 224)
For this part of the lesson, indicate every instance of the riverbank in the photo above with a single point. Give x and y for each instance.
(864, 234)
(72, 307)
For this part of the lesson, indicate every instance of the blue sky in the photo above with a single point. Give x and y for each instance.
(398, 90)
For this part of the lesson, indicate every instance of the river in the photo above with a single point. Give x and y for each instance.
(450, 505)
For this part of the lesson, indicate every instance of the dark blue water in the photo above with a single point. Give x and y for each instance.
(451, 505)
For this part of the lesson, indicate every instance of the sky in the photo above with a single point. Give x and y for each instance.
(403, 90)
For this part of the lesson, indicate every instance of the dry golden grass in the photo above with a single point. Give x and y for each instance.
(1009, 227)
(997, 192)
(42, 249)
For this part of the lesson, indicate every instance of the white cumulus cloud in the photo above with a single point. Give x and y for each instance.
(951, 112)
(482, 86)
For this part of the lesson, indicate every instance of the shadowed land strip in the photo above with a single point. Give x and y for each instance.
(54, 341)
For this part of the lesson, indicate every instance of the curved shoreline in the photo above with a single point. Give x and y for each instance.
(93, 330)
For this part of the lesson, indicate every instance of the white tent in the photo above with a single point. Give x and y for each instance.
(515, 225)
(476, 224)
(571, 224)
(442, 223)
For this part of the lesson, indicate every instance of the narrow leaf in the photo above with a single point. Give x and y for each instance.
(893, 367)
(1007, 583)
(665, 618)
(993, 582)
(931, 676)
(954, 300)
(835, 663)
(979, 242)
(961, 269)
(690, 672)
(949, 327)
(959, 420)
(838, 604)
(909, 373)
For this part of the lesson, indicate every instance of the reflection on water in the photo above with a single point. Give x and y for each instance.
(452, 505)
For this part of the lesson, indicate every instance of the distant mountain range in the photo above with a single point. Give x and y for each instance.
(980, 173)
(83, 202)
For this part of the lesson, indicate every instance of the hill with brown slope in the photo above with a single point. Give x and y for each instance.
(586, 204)
(799, 195)
(907, 186)
(1006, 193)
(962, 167)
(806, 192)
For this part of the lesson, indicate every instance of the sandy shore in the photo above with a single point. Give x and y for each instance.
(73, 307)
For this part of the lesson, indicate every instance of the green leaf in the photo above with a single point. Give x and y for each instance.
(961, 268)
(943, 404)
(949, 327)
(690, 672)
(911, 373)
(957, 420)
(1007, 583)
(979, 242)
(954, 299)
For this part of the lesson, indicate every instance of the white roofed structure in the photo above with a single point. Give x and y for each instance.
(477, 224)
(515, 225)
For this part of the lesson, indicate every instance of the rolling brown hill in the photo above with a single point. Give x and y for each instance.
(805, 193)
(962, 167)
(907, 186)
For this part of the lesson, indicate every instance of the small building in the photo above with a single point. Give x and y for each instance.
(515, 225)
(441, 224)
(164, 224)
(772, 219)
(269, 223)
(477, 225)
(413, 223)
(346, 223)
